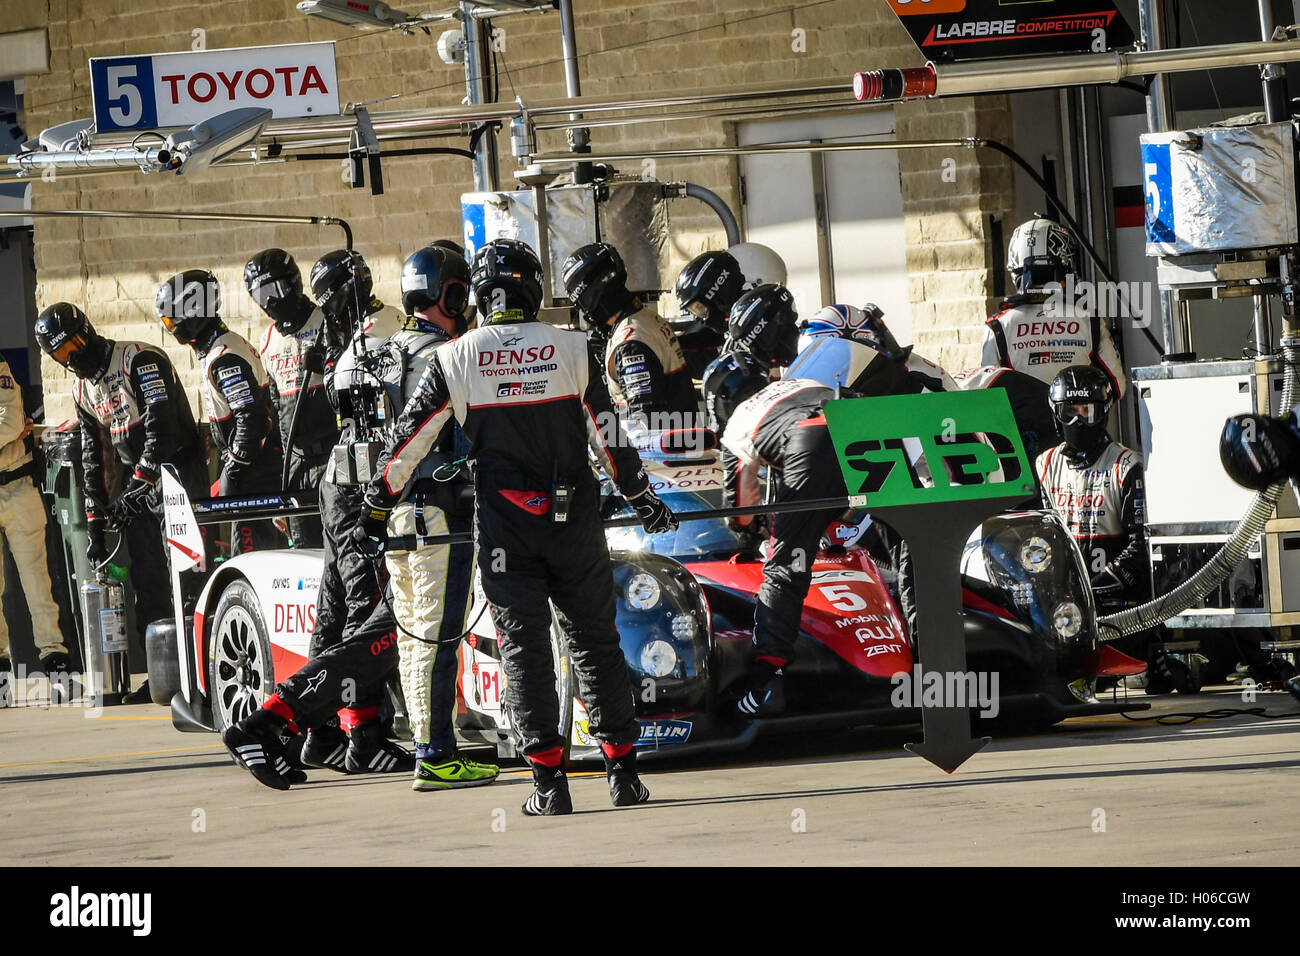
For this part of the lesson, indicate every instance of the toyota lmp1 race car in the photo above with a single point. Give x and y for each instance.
(685, 601)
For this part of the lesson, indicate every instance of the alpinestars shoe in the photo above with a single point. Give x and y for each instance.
(55, 663)
(326, 748)
(370, 751)
(256, 746)
(625, 787)
(763, 700)
(550, 796)
(452, 772)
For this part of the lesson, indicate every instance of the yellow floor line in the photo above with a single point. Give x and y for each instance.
(137, 753)
(142, 717)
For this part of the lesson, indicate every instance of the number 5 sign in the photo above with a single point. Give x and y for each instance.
(181, 89)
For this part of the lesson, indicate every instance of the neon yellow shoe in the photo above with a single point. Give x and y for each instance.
(455, 771)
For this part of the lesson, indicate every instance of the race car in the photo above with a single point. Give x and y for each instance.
(685, 612)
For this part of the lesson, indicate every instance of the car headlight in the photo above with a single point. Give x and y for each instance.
(1067, 618)
(685, 627)
(658, 659)
(1036, 555)
(643, 591)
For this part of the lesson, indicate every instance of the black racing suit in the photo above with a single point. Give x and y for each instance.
(353, 649)
(245, 430)
(138, 409)
(531, 400)
(784, 428)
(647, 372)
(295, 391)
(1030, 405)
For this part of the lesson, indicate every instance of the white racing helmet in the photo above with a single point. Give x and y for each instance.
(1040, 252)
(758, 264)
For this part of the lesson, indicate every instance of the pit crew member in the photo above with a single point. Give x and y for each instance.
(22, 524)
(529, 397)
(644, 365)
(297, 352)
(240, 413)
(337, 695)
(1038, 332)
(129, 401)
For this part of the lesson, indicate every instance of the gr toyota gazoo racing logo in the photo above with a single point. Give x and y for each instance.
(950, 30)
(520, 389)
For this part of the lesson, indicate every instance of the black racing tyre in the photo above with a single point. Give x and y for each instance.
(162, 661)
(1157, 683)
(240, 673)
(1186, 679)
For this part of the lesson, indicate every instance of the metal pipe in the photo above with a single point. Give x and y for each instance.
(125, 157)
(1081, 69)
(195, 216)
(555, 159)
(716, 203)
(485, 160)
(1276, 97)
(1160, 117)
(743, 111)
(579, 137)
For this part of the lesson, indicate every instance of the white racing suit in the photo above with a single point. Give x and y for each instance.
(431, 584)
(245, 429)
(22, 521)
(1040, 335)
(647, 371)
(1103, 505)
(316, 430)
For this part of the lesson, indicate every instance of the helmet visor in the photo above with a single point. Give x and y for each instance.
(272, 291)
(68, 350)
(1080, 413)
(169, 323)
(698, 309)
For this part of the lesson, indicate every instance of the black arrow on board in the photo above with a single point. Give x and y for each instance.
(936, 535)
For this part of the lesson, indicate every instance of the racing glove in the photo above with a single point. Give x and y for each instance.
(96, 549)
(135, 499)
(232, 473)
(371, 535)
(654, 514)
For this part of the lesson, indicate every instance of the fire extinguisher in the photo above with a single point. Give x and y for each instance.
(103, 612)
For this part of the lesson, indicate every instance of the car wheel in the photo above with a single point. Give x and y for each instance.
(240, 672)
(1186, 679)
(1157, 683)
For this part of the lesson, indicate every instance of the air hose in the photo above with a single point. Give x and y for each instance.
(1234, 550)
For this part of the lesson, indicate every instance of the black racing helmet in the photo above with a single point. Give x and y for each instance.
(507, 278)
(189, 304)
(595, 280)
(66, 335)
(274, 280)
(1081, 398)
(436, 276)
(341, 284)
(729, 380)
(1258, 451)
(709, 286)
(451, 245)
(764, 323)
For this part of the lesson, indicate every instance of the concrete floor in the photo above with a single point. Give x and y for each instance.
(126, 788)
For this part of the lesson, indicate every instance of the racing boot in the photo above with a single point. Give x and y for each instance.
(550, 796)
(625, 787)
(370, 751)
(326, 747)
(255, 744)
(55, 663)
(450, 772)
(765, 696)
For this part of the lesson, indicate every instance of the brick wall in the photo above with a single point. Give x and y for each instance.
(112, 267)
